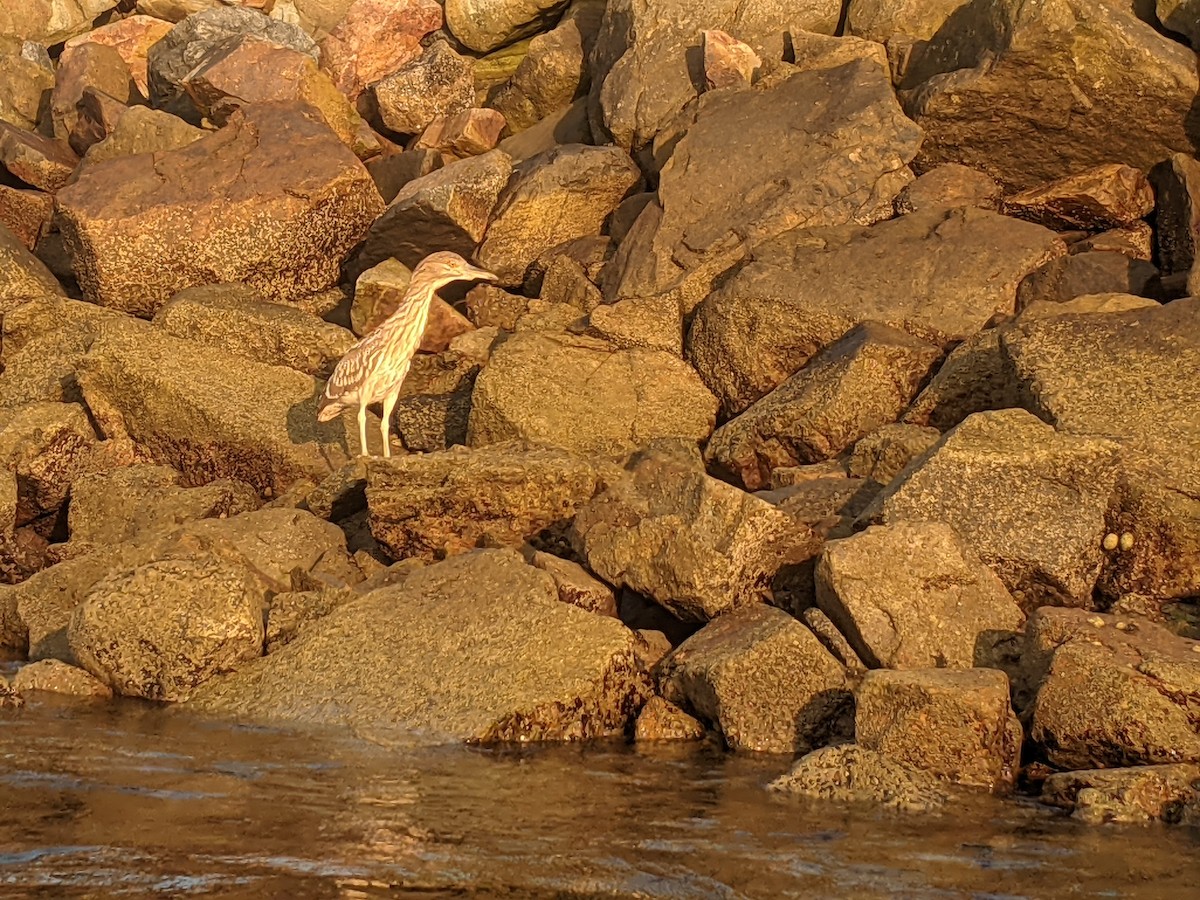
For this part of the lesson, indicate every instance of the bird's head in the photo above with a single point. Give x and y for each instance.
(445, 266)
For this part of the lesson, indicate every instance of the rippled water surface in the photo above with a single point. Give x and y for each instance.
(128, 800)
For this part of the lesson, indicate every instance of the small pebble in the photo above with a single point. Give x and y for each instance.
(1126, 541)
(1111, 541)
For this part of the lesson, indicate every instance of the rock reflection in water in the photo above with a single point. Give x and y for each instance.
(133, 800)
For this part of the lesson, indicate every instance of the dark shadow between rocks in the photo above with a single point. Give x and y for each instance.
(827, 719)
(303, 428)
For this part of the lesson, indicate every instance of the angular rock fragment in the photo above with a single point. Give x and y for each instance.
(282, 229)
(883, 454)
(949, 185)
(1079, 274)
(1106, 196)
(548, 79)
(849, 773)
(89, 65)
(22, 275)
(467, 133)
(132, 38)
(727, 61)
(439, 82)
(376, 38)
(863, 381)
(477, 648)
(879, 20)
(653, 323)
(956, 724)
(663, 721)
(575, 585)
(23, 85)
(486, 24)
(914, 595)
(47, 445)
(697, 546)
(35, 160)
(1135, 241)
(1165, 793)
(95, 116)
(585, 395)
(139, 130)
(441, 504)
(762, 679)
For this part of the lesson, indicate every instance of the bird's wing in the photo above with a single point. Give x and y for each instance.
(349, 374)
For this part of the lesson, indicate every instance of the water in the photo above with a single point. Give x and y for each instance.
(132, 800)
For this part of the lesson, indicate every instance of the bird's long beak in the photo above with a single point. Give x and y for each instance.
(474, 272)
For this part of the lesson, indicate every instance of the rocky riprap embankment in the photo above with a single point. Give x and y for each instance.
(841, 396)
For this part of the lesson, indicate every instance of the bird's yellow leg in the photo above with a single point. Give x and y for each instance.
(385, 426)
(362, 429)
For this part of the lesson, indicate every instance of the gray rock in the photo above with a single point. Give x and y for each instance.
(1098, 66)
(439, 82)
(762, 679)
(914, 595)
(441, 504)
(585, 395)
(1031, 502)
(860, 382)
(938, 274)
(185, 47)
(554, 197)
(708, 212)
(955, 724)
(160, 630)
(1138, 795)
(234, 319)
(699, 547)
(884, 453)
(1111, 691)
(848, 773)
(477, 648)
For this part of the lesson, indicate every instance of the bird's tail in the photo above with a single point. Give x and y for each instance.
(329, 408)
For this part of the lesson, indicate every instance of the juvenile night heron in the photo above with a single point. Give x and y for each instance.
(374, 368)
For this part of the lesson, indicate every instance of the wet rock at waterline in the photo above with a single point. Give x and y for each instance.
(849, 773)
(1167, 793)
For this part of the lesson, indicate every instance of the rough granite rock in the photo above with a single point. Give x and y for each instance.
(848, 773)
(949, 185)
(47, 445)
(51, 21)
(143, 501)
(375, 38)
(939, 274)
(1080, 274)
(93, 66)
(697, 546)
(1138, 795)
(843, 123)
(653, 323)
(160, 630)
(27, 213)
(233, 319)
(273, 200)
(439, 82)
(957, 724)
(914, 595)
(139, 130)
(864, 380)
(57, 677)
(548, 79)
(1030, 92)
(1111, 690)
(763, 679)
(477, 648)
(575, 585)
(660, 720)
(210, 414)
(1031, 502)
(132, 38)
(1106, 196)
(22, 275)
(447, 209)
(554, 197)
(585, 395)
(442, 504)
(186, 46)
(34, 160)
(484, 25)
(884, 453)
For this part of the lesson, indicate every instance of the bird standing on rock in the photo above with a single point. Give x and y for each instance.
(374, 368)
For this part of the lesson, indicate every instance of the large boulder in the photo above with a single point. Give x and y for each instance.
(1031, 502)
(643, 61)
(583, 394)
(1029, 92)
(938, 274)
(1110, 690)
(763, 679)
(695, 545)
(914, 595)
(477, 648)
(273, 200)
(553, 198)
(857, 384)
(211, 414)
(162, 629)
(843, 123)
(440, 504)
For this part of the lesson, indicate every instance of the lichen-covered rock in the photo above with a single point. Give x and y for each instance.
(940, 275)
(660, 720)
(913, 595)
(762, 679)
(957, 724)
(441, 504)
(1030, 501)
(1166, 793)
(1111, 690)
(439, 82)
(232, 318)
(57, 677)
(1106, 196)
(585, 395)
(47, 445)
(132, 38)
(860, 382)
(273, 200)
(698, 546)
(849, 773)
(477, 648)
(162, 629)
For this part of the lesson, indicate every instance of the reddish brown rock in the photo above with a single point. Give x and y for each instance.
(727, 61)
(575, 585)
(468, 133)
(37, 161)
(1106, 196)
(376, 38)
(132, 38)
(86, 66)
(96, 117)
(26, 213)
(949, 185)
(273, 200)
